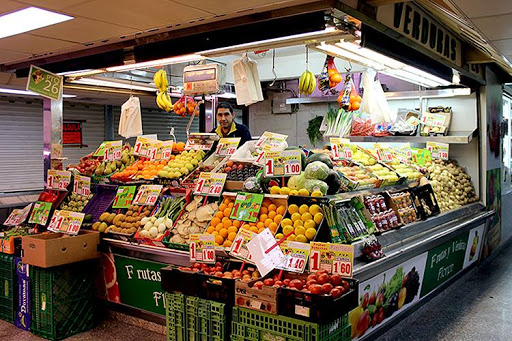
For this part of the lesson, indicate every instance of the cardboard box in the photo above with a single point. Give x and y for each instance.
(47, 250)
(264, 300)
(10, 244)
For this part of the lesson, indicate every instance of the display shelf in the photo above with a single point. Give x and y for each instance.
(453, 137)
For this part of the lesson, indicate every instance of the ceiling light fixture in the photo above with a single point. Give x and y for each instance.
(113, 84)
(156, 63)
(28, 19)
(26, 93)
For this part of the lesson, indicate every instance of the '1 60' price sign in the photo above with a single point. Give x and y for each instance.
(58, 180)
(147, 195)
(82, 185)
(210, 184)
(202, 248)
(334, 258)
(296, 254)
(66, 222)
(283, 163)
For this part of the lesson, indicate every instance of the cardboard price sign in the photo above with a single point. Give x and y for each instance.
(383, 154)
(66, 222)
(58, 180)
(421, 156)
(147, 195)
(340, 148)
(17, 216)
(246, 207)
(239, 247)
(202, 248)
(146, 147)
(82, 185)
(403, 154)
(113, 150)
(199, 143)
(40, 213)
(438, 150)
(296, 254)
(227, 146)
(124, 197)
(165, 151)
(265, 252)
(210, 184)
(334, 258)
(432, 120)
(270, 141)
(283, 163)
(44, 83)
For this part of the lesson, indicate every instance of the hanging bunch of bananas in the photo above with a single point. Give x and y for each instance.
(163, 100)
(307, 83)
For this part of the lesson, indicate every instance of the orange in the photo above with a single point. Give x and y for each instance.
(227, 223)
(277, 218)
(231, 236)
(331, 72)
(227, 212)
(273, 227)
(246, 226)
(224, 233)
(224, 219)
(261, 230)
(355, 106)
(272, 214)
(237, 223)
(260, 225)
(281, 210)
(266, 202)
(226, 201)
(222, 207)
(219, 227)
(227, 243)
(218, 239)
(268, 222)
(272, 207)
(253, 229)
(215, 221)
(263, 217)
(219, 215)
(263, 210)
(233, 229)
(214, 233)
(210, 229)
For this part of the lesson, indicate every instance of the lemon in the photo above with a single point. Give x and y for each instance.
(293, 208)
(286, 222)
(279, 236)
(316, 194)
(275, 190)
(300, 231)
(314, 209)
(310, 233)
(318, 217)
(285, 191)
(294, 192)
(298, 223)
(306, 216)
(296, 216)
(303, 209)
(287, 230)
(304, 192)
(310, 224)
(291, 238)
(302, 238)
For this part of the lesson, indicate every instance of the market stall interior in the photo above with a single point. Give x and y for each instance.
(290, 224)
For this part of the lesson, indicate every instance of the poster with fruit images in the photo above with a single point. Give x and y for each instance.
(296, 256)
(334, 258)
(124, 197)
(474, 245)
(246, 207)
(58, 180)
(40, 213)
(386, 295)
(227, 146)
(66, 222)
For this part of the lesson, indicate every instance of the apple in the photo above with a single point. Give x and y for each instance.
(315, 289)
(327, 287)
(258, 285)
(268, 282)
(296, 283)
(323, 278)
(335, 293)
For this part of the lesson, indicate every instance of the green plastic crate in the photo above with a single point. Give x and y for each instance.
(7, 288)
(346, 334)
(175, 316)
(62, 300)
(254, 325)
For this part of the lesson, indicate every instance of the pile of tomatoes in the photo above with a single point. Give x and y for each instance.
(184, 106)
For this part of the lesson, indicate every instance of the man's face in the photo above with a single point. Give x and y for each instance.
(224, 117)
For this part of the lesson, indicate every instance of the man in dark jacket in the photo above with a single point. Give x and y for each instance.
(227, 126)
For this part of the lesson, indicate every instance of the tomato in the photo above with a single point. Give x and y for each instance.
(311, 277)
(335, 293)
(258, 285)
(268, 282)
(296, 283)
(278, 283)
(313, 281)
(316, 289)
(327, 287)
(346, 285)
(319, 272)
(323, 278)
(336, 279)
(218, 269)
(286, 282)
(218, 274)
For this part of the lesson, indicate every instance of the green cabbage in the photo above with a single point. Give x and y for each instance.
(315, 185)
(293, 182)
(316, 170)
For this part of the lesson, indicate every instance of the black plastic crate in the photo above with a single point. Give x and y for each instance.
(175, 280)
(7, 288)
(425, 201)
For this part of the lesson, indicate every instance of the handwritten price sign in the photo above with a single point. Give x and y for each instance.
(202, 248)
(58, 180)
(210, 184)
(66, 222)
(17, 216)
(438, 150)
(334, 258)
(147, 195)
(239, 248)
(227, 146)
(296, 254)
(82, 185)
(283, 163)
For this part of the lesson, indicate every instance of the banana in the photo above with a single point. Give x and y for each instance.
(166, 99)
(164, 82)
(302, 82)
(157, 79)
(160, 102)
(312, 83)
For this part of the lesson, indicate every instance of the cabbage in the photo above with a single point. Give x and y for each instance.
(315, 185)
(316, 170)
(293, 182)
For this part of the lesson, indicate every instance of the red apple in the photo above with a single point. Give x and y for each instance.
(327, 287)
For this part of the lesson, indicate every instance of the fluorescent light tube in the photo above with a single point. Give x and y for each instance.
(28, 19)
(25, 93)
(112, 84)
(158, 62)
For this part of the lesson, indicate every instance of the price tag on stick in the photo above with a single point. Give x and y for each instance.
(340, 148)
(334, 258)
(82, 185)
(17, 216)
(58, 180)
(165, 151)
(113, 150)
(247, 207)
(227, 146)
(239, 247)
(438, 150)
(210, 184)
(283, 163)
(202, 248)
(124, 197)
(147, 195)
(66, 222)
(265, 252)
(296, 254)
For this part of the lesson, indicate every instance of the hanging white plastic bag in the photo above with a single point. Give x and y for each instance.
(374, 100)
(247, 81)
(130, 122)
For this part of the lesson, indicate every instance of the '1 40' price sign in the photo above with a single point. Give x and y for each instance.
(210, 184)
(246, 207)
(58, 180)
(147, 195)
(202, 248)
(82, 185)
(334, 258)
(66, 222)
(296, 254)
(283, 163)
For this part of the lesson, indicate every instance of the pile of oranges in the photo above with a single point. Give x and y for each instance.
(225, 229)
(142, 169)
(178, 147)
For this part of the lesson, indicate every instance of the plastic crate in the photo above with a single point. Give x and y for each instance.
(254, 325)
(175, 317)
(101, 201)
(62, 300)
(7, 288)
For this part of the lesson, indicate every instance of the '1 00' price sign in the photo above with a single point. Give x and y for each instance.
(202, 248)
(296, 254)
(113, 150)
(283, 163)
(210, 184)
(66, 222)
(438, 150)
(334, 258)
(147, 195)
(82, 185)
(58, 180)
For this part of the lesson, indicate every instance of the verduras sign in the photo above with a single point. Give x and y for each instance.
(414, 23)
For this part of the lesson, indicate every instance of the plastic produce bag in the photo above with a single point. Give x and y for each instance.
(247, 81)
(130, 122)
(374, 101)
(349, 99)
(362, 126)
